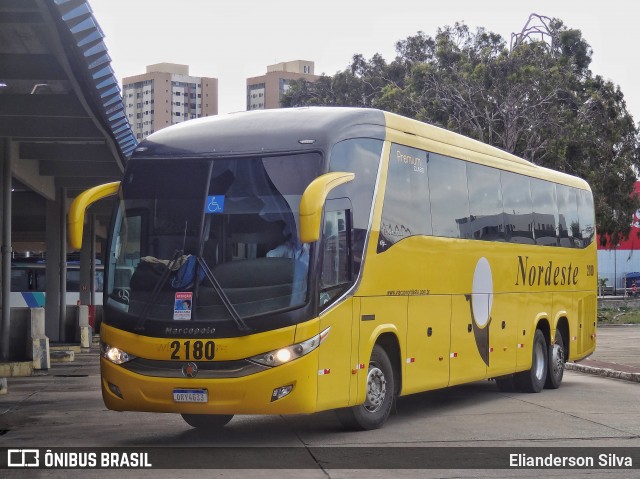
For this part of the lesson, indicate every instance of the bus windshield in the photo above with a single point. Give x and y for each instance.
(184, 225)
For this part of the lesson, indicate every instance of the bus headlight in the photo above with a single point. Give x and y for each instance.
(281, 356)
(115, 355)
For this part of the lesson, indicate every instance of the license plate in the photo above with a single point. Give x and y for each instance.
(190, 395)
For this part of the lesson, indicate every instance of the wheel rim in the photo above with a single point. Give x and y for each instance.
(376, 389)
(539, 365)
(557, 359)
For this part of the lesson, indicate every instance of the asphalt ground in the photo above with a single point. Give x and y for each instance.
(41, 400)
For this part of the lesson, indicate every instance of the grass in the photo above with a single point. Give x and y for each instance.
(622, 315)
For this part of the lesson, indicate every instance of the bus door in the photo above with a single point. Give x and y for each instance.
(336, 356)
(587, 307)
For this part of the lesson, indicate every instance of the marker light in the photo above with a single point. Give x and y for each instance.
(115, 390)
(279, 393)
(295, 351)
(115, 355)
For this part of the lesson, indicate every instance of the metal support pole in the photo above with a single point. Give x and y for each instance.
(92, 279)
(6, 251)
(52, 280)
(63, 263)
(85, 264)
(615, 271)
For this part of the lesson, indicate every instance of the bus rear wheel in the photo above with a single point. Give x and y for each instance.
(533, 380)
(555, 371)
(207, 421)
(379, 399)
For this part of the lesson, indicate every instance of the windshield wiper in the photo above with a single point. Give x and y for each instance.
(156, 289)
(242, 326)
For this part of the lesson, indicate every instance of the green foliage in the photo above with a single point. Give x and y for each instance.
(535, 98)
(622, 315)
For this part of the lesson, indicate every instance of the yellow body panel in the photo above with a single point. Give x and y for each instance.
(428, 341)
(442, 275)
(336, 357)
(226, 349)
(245, 395)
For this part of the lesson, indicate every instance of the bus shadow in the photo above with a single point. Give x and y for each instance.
(299, 430)
(441, 401)
(481, 398)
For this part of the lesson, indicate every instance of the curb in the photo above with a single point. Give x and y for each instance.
(62, 356)
(604, 372)
(16, 369)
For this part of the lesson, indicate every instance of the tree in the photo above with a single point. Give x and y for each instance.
(535, 97)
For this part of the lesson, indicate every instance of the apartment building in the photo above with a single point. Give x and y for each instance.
(266, 91)
(165, 95)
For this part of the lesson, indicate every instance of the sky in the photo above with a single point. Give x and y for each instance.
(235, 39)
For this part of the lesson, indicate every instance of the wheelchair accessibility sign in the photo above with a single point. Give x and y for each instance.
(215, 204)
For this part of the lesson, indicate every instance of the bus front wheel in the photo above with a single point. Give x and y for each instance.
(379, 395)
(533, 380)
(207, 421)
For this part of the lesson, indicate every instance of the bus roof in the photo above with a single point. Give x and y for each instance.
(477, 151)
(313, 128)
(279, 130)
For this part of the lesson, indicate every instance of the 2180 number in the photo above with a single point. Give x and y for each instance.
(189, 350)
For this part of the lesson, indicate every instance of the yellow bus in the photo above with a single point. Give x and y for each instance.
(300, 260)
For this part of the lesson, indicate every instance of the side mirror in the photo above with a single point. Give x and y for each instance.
(312, 202)
(77, 210)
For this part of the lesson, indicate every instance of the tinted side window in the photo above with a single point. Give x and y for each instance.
(485, 203)
(569, 225)
(545, 212)
(586, 217)
(20, 280)
(518, 212)
(449, 196)
(362, 157)
(40, 280)
(73, 280)
(336, 271)
(406, 200)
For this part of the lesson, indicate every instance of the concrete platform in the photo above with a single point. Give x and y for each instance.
(62, 356)
(617, 353)
(15, 369)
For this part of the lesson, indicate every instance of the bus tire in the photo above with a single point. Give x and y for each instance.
(380, 394)
(555, 371)
(207, 421)
(533, 380)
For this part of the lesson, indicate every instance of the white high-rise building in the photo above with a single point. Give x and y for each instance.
(165, 95)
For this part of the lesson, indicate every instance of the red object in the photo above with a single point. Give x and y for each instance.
(92, 316)
(633, 242)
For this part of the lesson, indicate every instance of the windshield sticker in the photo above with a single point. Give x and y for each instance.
(215, 204)
(182, 306)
